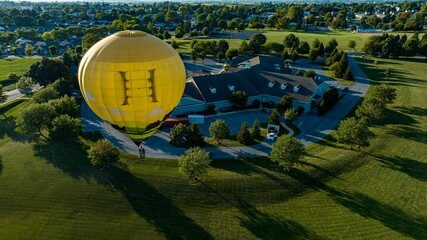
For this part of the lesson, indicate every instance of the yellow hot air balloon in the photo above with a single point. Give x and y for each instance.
(132, 80)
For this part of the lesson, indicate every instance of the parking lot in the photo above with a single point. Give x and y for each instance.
(235, 120)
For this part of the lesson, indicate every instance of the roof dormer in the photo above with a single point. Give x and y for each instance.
(297, 88)
(231, 87)
(213, 90)
(283, 86)
(271, 84)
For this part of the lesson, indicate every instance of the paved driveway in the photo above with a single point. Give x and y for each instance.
(314, 127)
(235, 120)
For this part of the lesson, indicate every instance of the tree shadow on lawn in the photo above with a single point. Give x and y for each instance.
(411, 167)
(7, 128)
(266, 226)
(396, 118)
(412, 133)
(150, 204)
(368, 207)
(418, 111)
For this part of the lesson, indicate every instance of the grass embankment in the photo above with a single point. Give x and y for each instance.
(49, 191)
(13, 65)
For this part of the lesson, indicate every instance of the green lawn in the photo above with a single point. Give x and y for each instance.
(50, 191)
(13, 65)
(342, 38)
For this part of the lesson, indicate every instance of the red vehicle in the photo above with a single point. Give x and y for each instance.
(171, 122)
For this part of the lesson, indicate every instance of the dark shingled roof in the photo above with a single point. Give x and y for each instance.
(192, 91)
(262, 78)
(220, 82)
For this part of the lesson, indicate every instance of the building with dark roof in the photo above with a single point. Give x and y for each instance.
(263, 78)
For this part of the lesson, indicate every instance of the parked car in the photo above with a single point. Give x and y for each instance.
(267, 110)
(271, 136)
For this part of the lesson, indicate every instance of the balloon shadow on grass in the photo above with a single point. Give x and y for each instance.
(150, 204)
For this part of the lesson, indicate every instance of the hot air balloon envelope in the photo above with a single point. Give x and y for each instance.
(132, 80)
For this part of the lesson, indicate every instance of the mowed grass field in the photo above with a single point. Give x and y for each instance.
(50, 191)
(13, 65)
(342, 38)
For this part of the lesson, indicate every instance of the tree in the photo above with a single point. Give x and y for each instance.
(342, 66)
(244, 135)
(254, 47)
(194, 136)
(300, 72)
(244, 47)
(314, 53)
(385, 93)
(219, 130)
(63, 86)
(193, 54)
(256, 131)
(291, 41)
(3, 96)
(274, 118)
(52, 50)
(371, 110)
(179, 134)
(103, 153)
(29, 49)
(287, 151)
(65, 105)
(35, 118)
(205, 31)
(260, 38)
(310, 74)
(285, 54)
(239, 99)
(315, 43)
(47, 71)
(352, 44)
(220, 56)
(13, 77)
(353, 132)
(25, 84)
(65, 128)
(284, 104)
(290, 115)
(44, 95)
(348, 75)
(331, 45)
(321, 50)
(294, 56)
(222, 46)
(89, 40)
(194, 163)
(231, 53)
(296, 13)
(282, 23)
(330, 97)
(303, 48)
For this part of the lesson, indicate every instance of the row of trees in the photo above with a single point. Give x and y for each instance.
(395, 46)
(355, 130)
(338, 62)
(286, 152)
